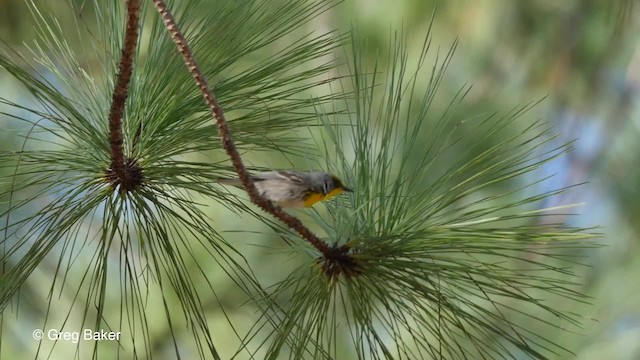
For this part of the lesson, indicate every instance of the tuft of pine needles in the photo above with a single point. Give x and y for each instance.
(119, 253)
(442, 253)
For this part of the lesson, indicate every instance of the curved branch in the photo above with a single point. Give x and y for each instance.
(227, 140)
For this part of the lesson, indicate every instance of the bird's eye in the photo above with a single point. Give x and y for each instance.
(326, 187)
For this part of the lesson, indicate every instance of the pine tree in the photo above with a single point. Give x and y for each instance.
(440, 253)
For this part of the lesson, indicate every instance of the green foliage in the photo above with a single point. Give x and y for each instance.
(448, 267)
(56, 193)
(450, 258)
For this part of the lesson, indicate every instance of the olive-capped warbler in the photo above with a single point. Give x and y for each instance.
(294, 188)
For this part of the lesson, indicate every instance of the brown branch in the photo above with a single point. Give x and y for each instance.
(119, 170)
(227, 140)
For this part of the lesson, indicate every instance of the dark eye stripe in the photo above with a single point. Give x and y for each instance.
(326, 188)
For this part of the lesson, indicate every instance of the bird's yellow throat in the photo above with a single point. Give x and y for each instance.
(315, 197)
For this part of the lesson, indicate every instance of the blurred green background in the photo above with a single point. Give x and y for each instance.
(582, 55)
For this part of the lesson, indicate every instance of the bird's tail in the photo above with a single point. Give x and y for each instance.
(232, 182)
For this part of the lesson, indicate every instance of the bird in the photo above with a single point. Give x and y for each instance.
(292, 188)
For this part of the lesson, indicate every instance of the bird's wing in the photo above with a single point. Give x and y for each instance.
(288, 176)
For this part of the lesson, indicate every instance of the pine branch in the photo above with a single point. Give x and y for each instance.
(227, 140)
(123, 172)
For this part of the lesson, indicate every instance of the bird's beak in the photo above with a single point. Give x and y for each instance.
(347, 189)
